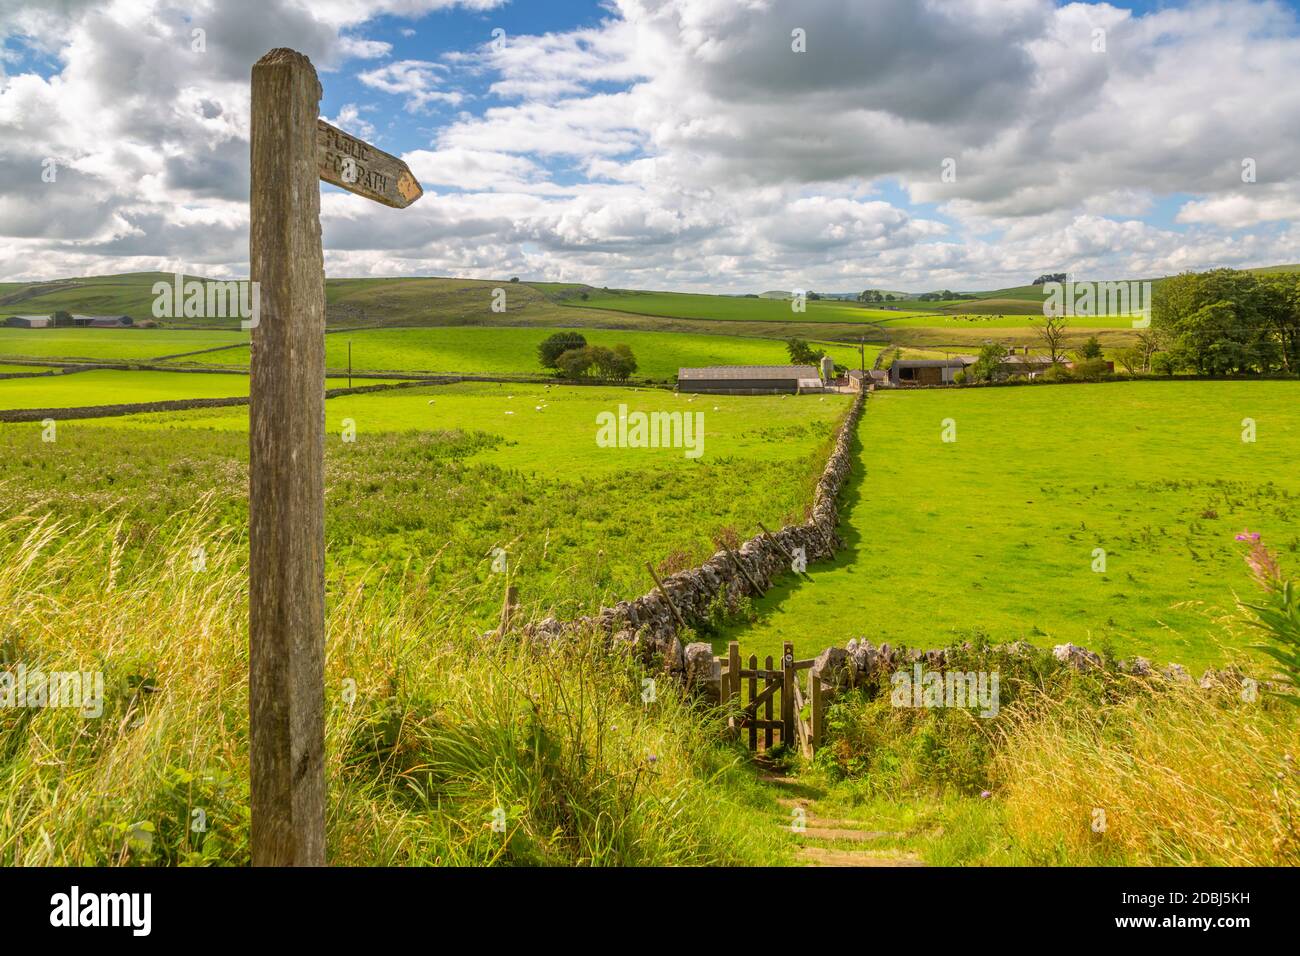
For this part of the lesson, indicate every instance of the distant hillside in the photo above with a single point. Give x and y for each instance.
(440, 301)
(349, 302)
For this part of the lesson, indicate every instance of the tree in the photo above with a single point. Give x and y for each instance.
(1150, 341)
(575, 363)
(1279, 308)
(1133, 359)
(627, 366)
(555, 346)
(991, 357)
(1053, 335)
(617, 363)
(1223, 321)
(801, 353)
(1164, 363)
(1090, 349)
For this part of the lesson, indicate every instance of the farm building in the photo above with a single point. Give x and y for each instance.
(1025, 364)
(29, 321)
(748, 379)
(101, 321)
(928, 371)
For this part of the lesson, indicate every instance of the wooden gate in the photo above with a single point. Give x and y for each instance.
(772, 699)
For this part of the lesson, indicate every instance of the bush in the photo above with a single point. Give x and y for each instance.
(575, 363)
(1091, 370)
(617, 363)
(549, 351)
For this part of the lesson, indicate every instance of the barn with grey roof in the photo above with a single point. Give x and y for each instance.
(748, 379)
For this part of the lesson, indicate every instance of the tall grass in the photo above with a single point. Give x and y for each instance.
(1172, 776)
(1079, 768)
(431, 728)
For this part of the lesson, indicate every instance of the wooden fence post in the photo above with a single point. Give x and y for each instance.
(787, 694)
(508, 607)
(767, 704)
(733, 677)
(286, 493)
(818, 710)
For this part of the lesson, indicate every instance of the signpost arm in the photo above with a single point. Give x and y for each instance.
(286, 614)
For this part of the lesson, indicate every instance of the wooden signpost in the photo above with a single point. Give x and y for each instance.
(292, 150)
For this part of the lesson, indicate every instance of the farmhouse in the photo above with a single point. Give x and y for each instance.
(1025, 364)
(928, 371)
(748, 379)
(29, 321)
(101, 321)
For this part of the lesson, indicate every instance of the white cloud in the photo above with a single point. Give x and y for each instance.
(414, 79)
(682, 142)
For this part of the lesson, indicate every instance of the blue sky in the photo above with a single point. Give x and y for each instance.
(674, 143)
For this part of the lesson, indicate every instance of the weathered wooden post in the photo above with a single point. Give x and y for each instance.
(787, 694)
(818, 721)
(509, 604)
(286, 483)
(733, 679)
(292, 149)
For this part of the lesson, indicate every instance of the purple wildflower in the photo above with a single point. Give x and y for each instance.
(1264, 567)
(1248, 535)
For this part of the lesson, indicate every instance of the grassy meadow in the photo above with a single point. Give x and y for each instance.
(110, 345)
(100, 530)
(114, 387)
(994, 533)
(438, 477)
(686, 305)
(431, 731)
(474, 350)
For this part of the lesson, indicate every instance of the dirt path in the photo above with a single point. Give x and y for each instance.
(823, 840)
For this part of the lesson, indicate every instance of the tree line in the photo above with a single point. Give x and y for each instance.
(569, 354)
(1228, 322)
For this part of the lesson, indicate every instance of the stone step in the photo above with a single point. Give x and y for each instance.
(822, 856)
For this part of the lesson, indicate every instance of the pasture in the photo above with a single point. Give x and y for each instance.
(475, 350)
(116, 387)
(109, 345)
(995, 533)
(687, 305)
(439, 476)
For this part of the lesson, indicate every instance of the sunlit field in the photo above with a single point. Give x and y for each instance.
(997, 532)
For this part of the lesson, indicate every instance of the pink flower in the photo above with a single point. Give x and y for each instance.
(1264, 567)
(1248, 535)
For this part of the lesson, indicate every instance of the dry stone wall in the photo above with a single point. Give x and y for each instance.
(648, 623)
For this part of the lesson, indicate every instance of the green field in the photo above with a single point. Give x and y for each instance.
(551, 430)
(685, 305)
(994, 533)
(21, 369)
(478, 351)
(995, 320)
(113, 387)
(440, 475)
(109, 344)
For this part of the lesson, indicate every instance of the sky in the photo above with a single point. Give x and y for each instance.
(698, 145)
